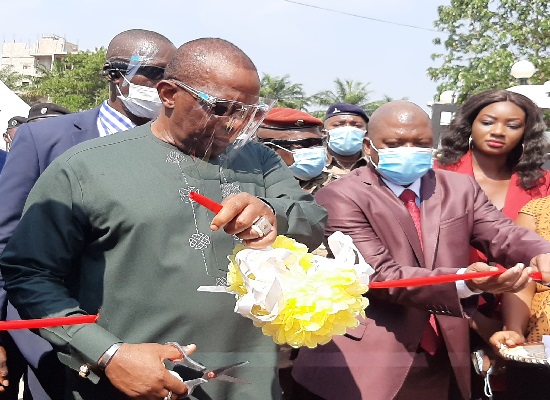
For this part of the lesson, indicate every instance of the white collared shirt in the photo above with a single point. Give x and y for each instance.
(110, 121)
(462, 289)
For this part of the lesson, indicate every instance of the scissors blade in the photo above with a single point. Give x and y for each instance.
(227, 368)
(232, 379)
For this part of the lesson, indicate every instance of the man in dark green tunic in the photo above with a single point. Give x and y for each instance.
(109, 229)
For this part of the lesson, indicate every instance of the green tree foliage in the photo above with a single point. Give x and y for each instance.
(287, 94)
(10, 78)
(74, 82)
(485, 38)
(347, 91)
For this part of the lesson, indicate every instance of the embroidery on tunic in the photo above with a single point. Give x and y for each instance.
(184, 193)
(229, 189)
(199, 240)
(221, 281)
(174, 157)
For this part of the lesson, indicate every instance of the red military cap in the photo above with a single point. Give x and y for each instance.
(290, 118)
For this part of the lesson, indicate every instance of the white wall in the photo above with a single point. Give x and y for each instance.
(11, 105)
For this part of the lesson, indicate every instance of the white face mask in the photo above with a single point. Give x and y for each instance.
(142, 101)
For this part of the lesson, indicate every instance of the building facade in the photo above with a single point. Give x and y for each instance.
(32, 60)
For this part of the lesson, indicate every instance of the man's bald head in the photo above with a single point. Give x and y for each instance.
(398, 124)
(138, 42)
(196, 60)
(399, 111)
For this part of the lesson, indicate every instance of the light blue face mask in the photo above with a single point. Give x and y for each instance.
(403, 165)
(308, 162)
(346, 140)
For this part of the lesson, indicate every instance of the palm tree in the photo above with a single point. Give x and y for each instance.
(347, 91)
(286, 93)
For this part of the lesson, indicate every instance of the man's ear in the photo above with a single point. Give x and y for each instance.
(167, 91)
(366, 146)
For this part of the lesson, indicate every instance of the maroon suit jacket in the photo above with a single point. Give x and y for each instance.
(372, 361)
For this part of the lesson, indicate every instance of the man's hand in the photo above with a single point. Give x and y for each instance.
(512, 280)
(542, 263)
(3, 369)
(508, 338)
(239, 213)
(137, 370)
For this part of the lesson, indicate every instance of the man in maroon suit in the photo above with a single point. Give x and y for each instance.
(411, 221)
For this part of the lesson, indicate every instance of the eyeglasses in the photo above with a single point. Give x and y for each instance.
(221, 107)
(152, 72)
(293, 144)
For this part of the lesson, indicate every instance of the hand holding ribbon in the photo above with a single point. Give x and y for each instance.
(242, 215)
(478, 273)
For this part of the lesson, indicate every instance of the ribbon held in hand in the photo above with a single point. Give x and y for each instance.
(433, 280)
(47, 322)
(206, 202)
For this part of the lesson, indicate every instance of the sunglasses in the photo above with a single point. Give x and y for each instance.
(221, 107)
(152, 72)
(293, 144)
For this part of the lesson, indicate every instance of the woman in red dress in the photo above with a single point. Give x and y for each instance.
(497, 137)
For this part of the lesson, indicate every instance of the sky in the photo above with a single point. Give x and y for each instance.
(311, 45)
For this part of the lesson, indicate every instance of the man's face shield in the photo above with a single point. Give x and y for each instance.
(227, 124)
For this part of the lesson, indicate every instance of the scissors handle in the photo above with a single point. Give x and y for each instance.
(186, 361)
(191, 385)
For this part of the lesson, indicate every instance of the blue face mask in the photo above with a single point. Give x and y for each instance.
(403, 165)
(308, 162)
(346, 140)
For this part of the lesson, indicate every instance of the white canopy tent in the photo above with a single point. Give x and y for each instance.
(11, 105)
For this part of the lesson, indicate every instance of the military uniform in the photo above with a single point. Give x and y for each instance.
(330, 173)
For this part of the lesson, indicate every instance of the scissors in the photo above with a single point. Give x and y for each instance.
(207, 374)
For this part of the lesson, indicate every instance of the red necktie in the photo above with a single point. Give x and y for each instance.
(430, 338)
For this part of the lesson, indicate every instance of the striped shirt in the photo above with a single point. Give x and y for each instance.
(110, 121)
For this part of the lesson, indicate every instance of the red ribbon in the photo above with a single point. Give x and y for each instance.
(433, 280)
(47, 322)
(422, 281)
(206, 202)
